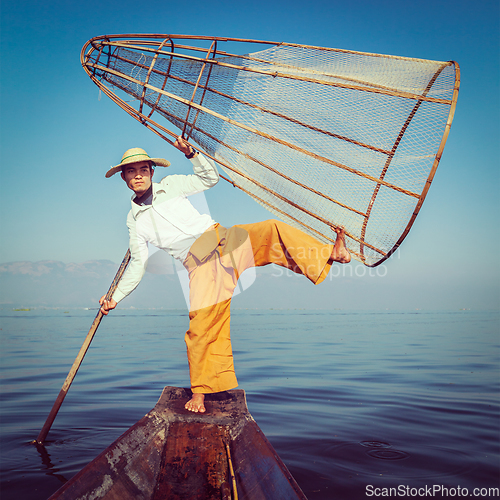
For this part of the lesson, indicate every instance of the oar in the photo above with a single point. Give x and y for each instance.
(78, 361)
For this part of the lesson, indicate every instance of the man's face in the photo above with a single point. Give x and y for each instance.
(138, 177)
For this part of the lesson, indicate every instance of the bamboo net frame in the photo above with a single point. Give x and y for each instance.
(320, 137)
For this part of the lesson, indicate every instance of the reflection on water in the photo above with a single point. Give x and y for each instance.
(48, 466)
(348, 399)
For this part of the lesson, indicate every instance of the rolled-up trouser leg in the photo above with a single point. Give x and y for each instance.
(274, 242)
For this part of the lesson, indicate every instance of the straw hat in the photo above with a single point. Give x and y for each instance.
(135, 155)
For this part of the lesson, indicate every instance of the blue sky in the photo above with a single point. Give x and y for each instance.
(58, 138)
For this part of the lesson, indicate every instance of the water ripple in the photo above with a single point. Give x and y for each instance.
(346, 398)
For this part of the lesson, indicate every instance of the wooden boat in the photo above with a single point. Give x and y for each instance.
(172, 453)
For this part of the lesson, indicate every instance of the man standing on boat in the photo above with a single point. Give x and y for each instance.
(214, 256)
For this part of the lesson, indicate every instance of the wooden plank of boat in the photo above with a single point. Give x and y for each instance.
(172, 453)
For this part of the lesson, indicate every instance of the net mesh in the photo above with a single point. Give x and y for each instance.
(319, 137)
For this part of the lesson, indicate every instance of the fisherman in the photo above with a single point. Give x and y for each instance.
(214, 256)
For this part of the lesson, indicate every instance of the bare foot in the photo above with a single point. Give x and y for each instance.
(196, 403)
(340, 252)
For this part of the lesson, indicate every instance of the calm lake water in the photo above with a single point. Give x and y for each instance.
(351, 401)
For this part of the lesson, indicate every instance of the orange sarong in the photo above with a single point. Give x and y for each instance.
(215, 262)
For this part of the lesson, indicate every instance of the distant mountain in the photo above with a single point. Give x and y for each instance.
(51, 283)
(57, 284)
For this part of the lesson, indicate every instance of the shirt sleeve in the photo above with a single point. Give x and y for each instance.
(204, 177)
(137, 265)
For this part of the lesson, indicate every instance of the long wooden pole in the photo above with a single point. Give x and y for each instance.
(78, 361)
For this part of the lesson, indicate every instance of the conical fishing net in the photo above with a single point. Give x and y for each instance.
(318, 136)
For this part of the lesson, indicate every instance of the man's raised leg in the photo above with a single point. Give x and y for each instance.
(340, 252)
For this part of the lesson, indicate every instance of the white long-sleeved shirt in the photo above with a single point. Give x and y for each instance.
(170, 223)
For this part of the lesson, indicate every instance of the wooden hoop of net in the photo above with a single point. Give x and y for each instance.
(320, 137)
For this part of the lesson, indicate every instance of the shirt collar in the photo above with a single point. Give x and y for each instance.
(146, 198)
(136, 209)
